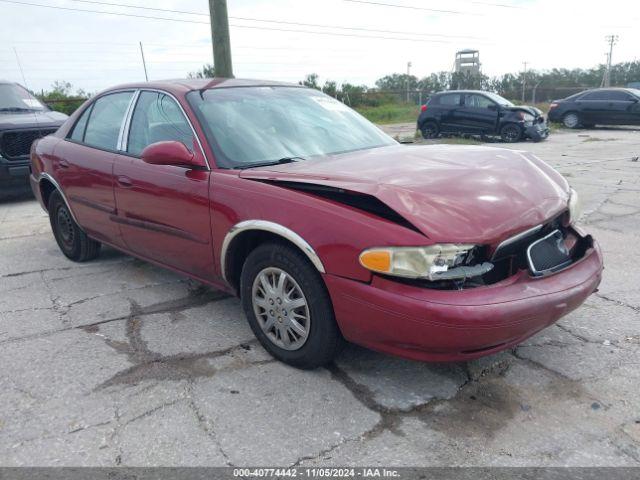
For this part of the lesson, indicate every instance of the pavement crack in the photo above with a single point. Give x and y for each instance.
(205, 424)
(618, 302)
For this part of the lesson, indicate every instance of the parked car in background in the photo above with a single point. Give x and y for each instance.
(327, 228)
(476, 112)
(601, 106)
(23, 119)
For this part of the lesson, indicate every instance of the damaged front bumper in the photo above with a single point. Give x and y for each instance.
(538, 131)
(450, 325)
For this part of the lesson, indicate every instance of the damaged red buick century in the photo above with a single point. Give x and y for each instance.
(327, 229)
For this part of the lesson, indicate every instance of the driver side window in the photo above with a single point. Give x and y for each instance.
(477, 101)
(157, 118)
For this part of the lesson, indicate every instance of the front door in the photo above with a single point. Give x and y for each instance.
(479, 114)
(84, 165)
(163, 210)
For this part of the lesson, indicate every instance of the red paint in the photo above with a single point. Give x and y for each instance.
(178, 216)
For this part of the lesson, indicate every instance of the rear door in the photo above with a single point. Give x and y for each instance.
(83, 164)
(595, 108)
(449, 105)
(163, 210)
(479, 114)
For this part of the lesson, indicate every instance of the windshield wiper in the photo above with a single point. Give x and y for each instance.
(280, 161)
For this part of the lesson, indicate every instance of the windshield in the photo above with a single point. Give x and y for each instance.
(499, 100)
(249, 126)
(14, 98)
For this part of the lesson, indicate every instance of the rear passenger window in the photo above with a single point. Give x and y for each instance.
(106, 119)
(157, 118)
(451, 99)
(601, 95)
(78, 130)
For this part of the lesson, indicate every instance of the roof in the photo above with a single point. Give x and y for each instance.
(184, 85)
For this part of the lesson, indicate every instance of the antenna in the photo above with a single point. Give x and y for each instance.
(24, 80)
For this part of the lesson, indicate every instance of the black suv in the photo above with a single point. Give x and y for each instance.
(602, 106)
(23, 119)
(476, 112)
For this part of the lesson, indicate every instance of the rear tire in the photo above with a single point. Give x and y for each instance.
(73, 242)
(511, 133)
(275, 278)
(430, 130)
(571, 120)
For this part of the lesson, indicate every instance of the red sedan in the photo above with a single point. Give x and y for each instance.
(325, 227)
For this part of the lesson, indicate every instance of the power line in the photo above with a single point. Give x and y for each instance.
(281, 22)
(411, 7)
(120, 14)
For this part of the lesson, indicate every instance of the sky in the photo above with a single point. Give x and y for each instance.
(94, 51)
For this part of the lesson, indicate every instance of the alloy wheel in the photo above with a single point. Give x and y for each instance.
(511, 133)
(571, 120)
(281, 308)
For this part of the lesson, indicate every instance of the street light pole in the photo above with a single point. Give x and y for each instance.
(612, 39)
(408, 74)
(220, 38)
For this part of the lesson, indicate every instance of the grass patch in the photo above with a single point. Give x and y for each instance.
(596, 139)
(390, 113)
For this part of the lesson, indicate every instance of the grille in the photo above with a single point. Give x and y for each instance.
(548, 254)
(16, 144)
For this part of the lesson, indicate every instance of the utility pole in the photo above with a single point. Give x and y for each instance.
(408, 74)
(220, 38)
(524, 81)
(612, 40)
(144, 63)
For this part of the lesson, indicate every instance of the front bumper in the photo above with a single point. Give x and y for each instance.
(445, 325)
(14, 177)
(537, 132)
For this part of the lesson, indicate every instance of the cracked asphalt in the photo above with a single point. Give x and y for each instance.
(118, 362)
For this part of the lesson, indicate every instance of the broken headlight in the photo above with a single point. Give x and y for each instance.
(436, 262)
(575, 207)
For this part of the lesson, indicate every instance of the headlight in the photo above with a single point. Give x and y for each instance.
(575, 207)
(416, 262)
(527, 117)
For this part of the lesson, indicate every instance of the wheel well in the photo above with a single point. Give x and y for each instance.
(46, 189)
(240, 248)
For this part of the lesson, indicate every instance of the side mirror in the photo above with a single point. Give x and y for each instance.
(169, 153)
(492, 106)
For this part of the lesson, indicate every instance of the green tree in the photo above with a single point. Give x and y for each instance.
(207, 71)
(60, 98)
(311, 81)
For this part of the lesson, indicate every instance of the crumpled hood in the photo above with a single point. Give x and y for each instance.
(450, 193)
(536, 112)
(48, 119)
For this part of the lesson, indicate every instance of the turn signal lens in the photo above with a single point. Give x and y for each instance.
(376, 260)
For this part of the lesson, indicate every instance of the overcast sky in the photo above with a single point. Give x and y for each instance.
(94, 51)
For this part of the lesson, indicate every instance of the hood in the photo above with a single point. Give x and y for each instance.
(450, 193)
(536, 112)
(48, 119)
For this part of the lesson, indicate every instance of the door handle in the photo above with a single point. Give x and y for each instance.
(124, 182)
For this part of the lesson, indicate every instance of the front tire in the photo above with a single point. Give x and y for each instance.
(288, 307)
(511, 133)
(73, 242)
